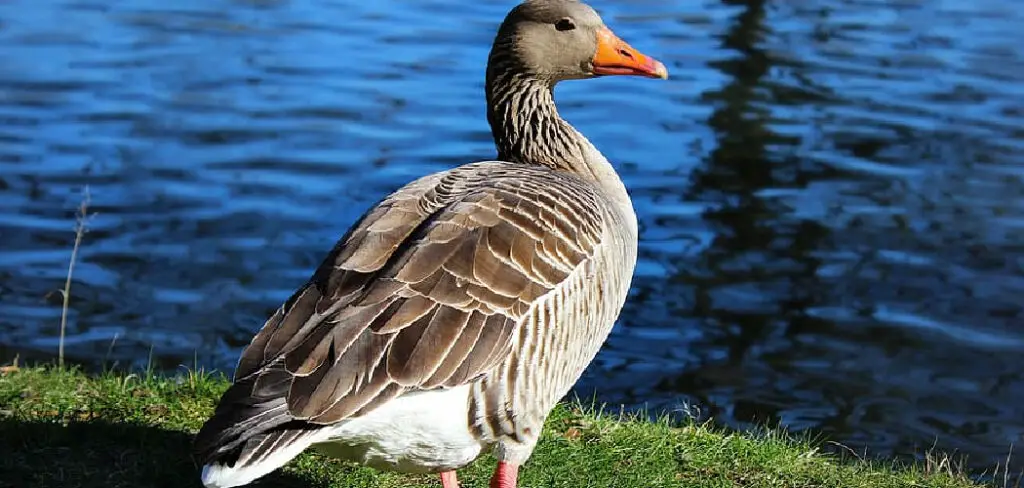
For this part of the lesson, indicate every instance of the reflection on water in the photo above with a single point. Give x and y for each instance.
(829, 191)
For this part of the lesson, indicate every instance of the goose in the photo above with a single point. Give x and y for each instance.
(454, 314)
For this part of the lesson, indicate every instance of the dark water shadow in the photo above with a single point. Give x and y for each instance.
(94, 454)
(758, 245)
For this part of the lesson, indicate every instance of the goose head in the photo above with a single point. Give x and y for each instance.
(556, 40)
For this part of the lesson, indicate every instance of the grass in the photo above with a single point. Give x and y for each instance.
(62, 428)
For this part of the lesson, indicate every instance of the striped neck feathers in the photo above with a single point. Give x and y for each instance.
(527, 128)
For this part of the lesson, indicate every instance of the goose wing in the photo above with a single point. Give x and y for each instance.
(425, 291)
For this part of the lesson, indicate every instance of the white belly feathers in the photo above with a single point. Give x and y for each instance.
(414, 433)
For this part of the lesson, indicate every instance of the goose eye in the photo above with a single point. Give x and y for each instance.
(565, 24)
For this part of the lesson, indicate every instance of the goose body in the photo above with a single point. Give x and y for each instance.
(456, 312)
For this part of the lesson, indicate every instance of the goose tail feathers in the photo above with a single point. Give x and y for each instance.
(257, 457)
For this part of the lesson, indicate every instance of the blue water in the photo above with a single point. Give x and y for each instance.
(830, 195)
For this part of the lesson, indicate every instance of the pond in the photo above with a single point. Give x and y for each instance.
(829, 194)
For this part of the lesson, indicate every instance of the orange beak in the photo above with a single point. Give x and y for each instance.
(615, 57)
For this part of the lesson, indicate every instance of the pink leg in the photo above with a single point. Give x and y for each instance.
(449, 480)
(505, 476)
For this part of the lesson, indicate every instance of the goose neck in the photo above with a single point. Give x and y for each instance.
(526, 125)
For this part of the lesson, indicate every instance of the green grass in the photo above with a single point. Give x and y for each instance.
(62, 428)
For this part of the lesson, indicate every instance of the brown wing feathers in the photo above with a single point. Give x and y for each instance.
(424, 292)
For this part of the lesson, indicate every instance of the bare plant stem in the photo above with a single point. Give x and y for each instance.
(83, 208)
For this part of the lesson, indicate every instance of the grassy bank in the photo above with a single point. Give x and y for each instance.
(61, 428)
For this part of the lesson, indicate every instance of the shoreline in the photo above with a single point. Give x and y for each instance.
(62, 427)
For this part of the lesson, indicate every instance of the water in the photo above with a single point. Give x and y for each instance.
(829, 195)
